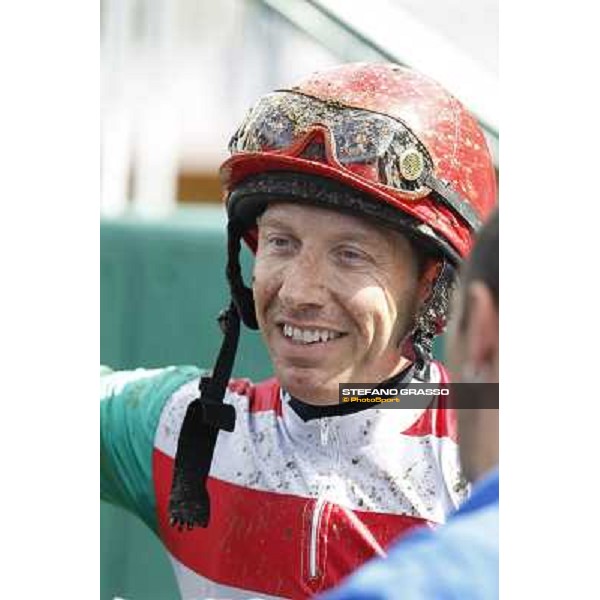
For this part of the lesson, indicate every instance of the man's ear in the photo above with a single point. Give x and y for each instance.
(481, 332)
(427, 280)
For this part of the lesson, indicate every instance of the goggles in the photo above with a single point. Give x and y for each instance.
(378, 148)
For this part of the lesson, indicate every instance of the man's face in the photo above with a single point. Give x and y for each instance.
(334, 295)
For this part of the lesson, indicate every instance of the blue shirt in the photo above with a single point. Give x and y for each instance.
(457, 561)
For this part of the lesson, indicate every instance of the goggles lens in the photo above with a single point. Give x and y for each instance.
(396, 157)
(360, 137)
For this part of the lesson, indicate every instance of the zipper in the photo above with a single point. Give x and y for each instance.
(313, 548)
(328, 441)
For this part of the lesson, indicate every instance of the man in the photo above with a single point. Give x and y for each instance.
(460, 560)
(359, 190)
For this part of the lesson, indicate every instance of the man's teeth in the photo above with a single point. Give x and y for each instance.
(309, 336)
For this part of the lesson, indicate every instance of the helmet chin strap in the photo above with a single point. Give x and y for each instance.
(189, 502)
(417, 344)
(241, 294)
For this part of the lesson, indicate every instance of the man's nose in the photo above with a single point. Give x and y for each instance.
(304, 281)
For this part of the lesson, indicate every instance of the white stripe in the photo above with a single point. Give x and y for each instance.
(195, 587)
(364, 464)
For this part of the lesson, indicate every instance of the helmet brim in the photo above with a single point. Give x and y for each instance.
(240, 167)
(253, 194)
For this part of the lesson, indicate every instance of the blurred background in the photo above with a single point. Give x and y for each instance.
(177, 77)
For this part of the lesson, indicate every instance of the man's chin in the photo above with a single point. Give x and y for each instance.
(309, 385)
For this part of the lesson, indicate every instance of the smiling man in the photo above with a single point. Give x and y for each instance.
(334, 295)
(359, 190)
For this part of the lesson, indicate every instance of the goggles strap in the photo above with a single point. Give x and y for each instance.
(446, 195)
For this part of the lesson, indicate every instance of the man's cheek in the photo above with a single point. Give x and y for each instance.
(258, 291)
(260, 279)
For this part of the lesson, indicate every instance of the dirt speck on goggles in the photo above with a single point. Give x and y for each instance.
(358, 136)
(392, 153)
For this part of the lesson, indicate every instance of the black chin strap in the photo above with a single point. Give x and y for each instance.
(189, 502)
(240, 293)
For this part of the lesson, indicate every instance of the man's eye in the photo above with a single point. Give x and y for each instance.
(351, 255)
(279, 242)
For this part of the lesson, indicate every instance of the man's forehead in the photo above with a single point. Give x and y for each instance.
(283, 209)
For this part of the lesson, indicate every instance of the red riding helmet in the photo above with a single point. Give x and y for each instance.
(380, 129)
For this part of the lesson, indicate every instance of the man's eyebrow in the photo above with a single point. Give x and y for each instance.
(270, 221)
(344, 235)
(354, 236)
(362, 236)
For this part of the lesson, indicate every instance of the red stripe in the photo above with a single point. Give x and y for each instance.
(262, 397)
(240, 386)
(438, 420)
(259, 541)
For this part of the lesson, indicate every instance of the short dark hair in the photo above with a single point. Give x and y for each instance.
(482, 264)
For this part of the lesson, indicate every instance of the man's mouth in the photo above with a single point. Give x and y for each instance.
(308, 335)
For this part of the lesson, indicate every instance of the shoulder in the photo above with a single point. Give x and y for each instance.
(243, 394)
(134, 399)
(462, 556)
(261, 397)
(140, 382)
(439, 418)
(130, 408)
(476, 530)
(467, 540)
(465, 544)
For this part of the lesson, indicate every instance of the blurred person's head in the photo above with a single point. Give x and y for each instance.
(473, 352)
